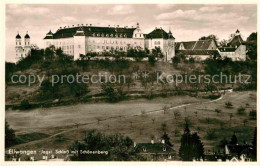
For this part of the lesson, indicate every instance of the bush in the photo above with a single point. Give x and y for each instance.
(217, 111)
(229, 105)
(241, 111)
(211, 134)
(25, 104)
(252, 115)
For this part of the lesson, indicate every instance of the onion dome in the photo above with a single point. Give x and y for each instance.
(18, 36)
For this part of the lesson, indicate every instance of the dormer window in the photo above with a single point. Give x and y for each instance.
(121, 35)
(111, 35)
(102, 35)
(164, 149)
(115, 35)
(144, 149)
(107, 35)
(98, 34)
(93, 34)
(125, 35)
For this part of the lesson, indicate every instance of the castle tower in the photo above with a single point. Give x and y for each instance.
(27, 45)
(18, 47)
(171, 47)
(79, 43)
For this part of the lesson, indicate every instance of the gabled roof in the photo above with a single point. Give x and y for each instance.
(236, 41)
(197, 52)
(196, 45)
(159, 33)
(27, 36)
(153, 148)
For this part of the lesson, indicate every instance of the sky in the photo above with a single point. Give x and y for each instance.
(186, 22)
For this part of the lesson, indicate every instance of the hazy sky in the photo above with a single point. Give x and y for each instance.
(187, 22)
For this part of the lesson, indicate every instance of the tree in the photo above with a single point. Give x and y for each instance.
(223, 43)
(197, 147)
(251, 43)
(191, 146)
(223, 143)
(233, 139)
(117, 148)
(166, 138)
(254, 143)
(214, 37)
(10, 138)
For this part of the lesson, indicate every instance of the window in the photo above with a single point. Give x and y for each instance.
(97, 47)
(98, 34)
(16, 43)
(111, 35)
(140, 35)
(103, 47)
(125, 35)
(78, 46)
(19, 43)
(107, 35)
(144, 149)
(164, 149)
(107, 47)
(135, 35)
(93, 34)
(102, 35)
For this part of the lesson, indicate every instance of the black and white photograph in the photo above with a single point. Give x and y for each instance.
(130, 82)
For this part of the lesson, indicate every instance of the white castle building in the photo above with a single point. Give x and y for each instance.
(22, 47)
(82, 39)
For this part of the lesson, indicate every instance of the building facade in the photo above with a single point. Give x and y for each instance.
(82, 39)
(235, 49)
(22, 47)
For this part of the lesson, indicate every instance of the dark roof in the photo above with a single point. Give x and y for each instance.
(236, 41)
(27, 36)
(94, 31)
(49, 33)
(18, 36)
(227, 49)
(197, 52)
(189, 45)
(153, 148)
(240, 149)
(159, 33)
(196, 45)
(177, 45)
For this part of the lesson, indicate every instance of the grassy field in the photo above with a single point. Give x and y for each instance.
(139, 119)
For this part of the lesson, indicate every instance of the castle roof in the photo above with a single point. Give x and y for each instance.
(158, 33)
(18, 36)
(94, 31)
(195, 45)
(236, 41)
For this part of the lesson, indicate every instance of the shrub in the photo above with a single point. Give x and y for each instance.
(211, 134)
(252, 115)
(25, 104)
(217, 111)
(241, 111)
(229, 105)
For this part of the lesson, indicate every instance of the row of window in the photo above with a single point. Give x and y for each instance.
(107, 35)
(112, 42)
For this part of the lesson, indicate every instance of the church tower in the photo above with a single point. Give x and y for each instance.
(18, 47)
(27, 45)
